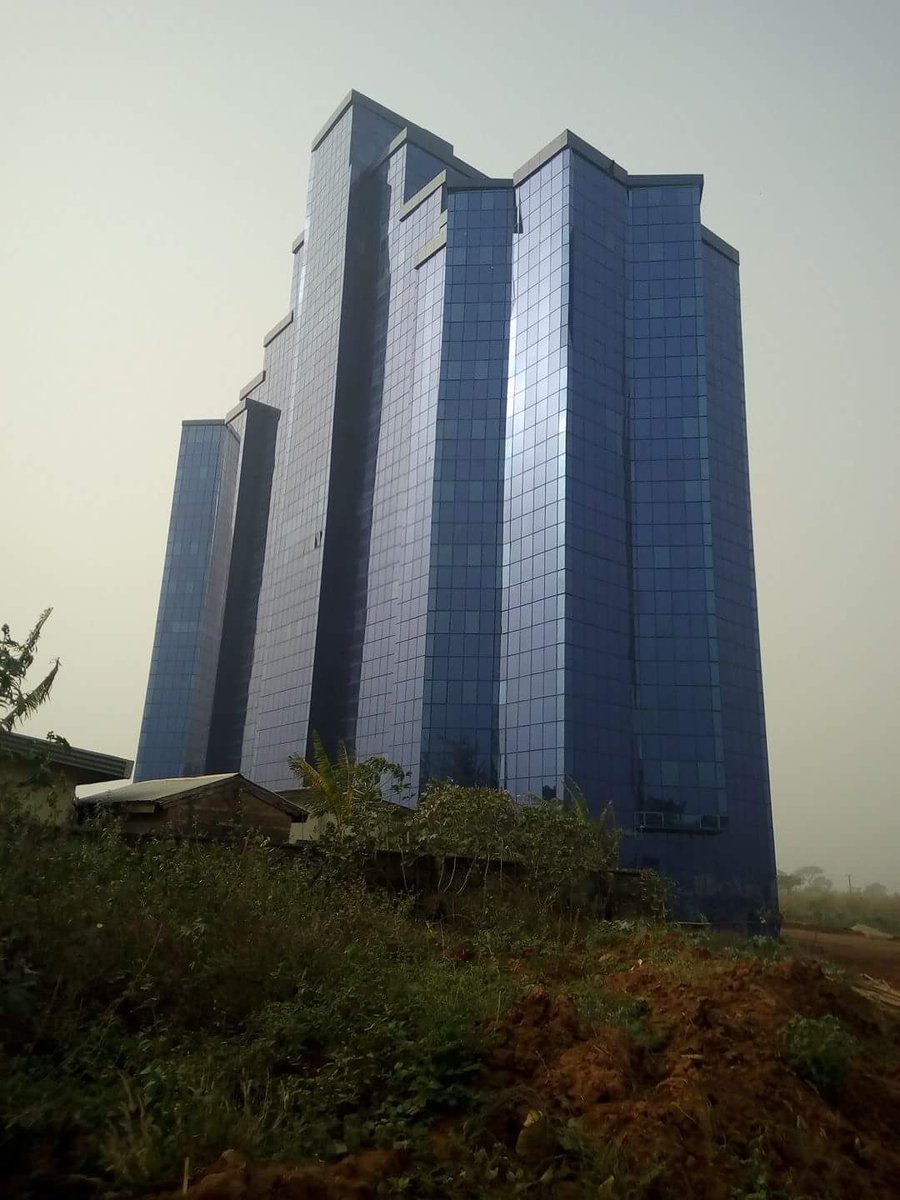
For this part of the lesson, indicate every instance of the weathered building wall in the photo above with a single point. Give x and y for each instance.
(46, 793)
(222, 812)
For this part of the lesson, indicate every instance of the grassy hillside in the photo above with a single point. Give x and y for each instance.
(164, 1006)
(841, 910)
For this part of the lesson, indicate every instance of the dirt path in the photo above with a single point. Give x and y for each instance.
(870, 956)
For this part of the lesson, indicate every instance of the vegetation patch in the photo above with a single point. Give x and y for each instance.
(182, 1018)
(820, 1050)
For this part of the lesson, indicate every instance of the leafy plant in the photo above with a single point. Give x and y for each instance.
(550, 846)
(819, 1050)
(356, 802)
(758, 1185)
(191, 996)
(19, 699)
(559, 843)
(474, 823)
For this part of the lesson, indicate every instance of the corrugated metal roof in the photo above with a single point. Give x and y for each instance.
(164, 792)
(103, 767)
(152, 791)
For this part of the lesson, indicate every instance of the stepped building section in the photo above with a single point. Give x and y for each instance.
(486, 508)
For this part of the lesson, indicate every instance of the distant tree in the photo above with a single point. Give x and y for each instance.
(18, 699)
(788, 883)
(875, 889)
(814, 878)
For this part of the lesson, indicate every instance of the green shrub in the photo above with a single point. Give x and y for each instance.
(737, 946)
(163, 1001)
(819, 1050)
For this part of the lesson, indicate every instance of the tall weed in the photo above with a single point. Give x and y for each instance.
(165, 1000)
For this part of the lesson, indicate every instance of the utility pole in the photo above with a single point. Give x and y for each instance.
(850, 884)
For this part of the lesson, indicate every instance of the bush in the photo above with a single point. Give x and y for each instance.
(560, 845)
(553, 847)
(166, 1000)
(819, 1050)
(161, 1001)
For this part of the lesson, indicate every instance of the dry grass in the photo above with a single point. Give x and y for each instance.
(841, 910)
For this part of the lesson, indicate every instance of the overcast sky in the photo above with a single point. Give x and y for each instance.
(153, 158)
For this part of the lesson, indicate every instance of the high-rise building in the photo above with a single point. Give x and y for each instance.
(486, 508)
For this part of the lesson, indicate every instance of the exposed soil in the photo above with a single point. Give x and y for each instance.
(715, 1106)
(354, 1178)
(701, 1101)
(870, 956)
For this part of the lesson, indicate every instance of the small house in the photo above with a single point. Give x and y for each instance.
(211, 806)
(41, 776)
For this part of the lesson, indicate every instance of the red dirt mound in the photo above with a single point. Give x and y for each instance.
(355, 1178)
(694, 1100)
(716, 1106)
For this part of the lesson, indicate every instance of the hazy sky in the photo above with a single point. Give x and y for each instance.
(153, 158)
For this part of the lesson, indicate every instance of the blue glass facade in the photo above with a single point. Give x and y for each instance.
(533, 640)
(486, 509)
(178, 709)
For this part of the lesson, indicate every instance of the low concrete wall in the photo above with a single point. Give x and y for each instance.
(618, 895)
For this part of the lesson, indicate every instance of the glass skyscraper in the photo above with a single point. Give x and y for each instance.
(486, 508)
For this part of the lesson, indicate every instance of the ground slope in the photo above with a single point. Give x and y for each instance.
(647, 1065)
